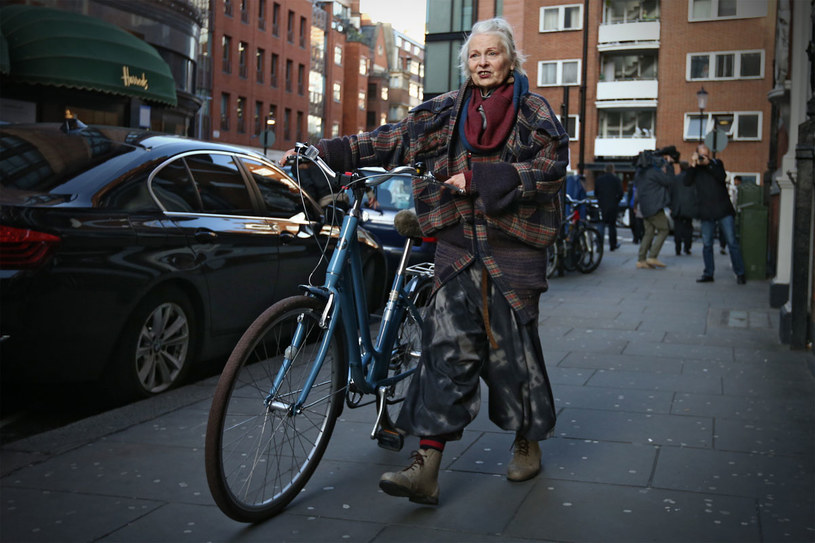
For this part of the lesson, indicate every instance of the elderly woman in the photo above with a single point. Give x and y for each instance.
(504, 155)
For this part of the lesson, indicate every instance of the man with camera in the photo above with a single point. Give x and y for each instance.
(715, 207)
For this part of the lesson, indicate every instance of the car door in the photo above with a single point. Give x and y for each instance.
(236, 249)
(293, 214)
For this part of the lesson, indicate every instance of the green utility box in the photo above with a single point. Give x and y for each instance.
(752, 219)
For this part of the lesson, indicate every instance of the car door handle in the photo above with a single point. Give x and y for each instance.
(203, 235)
(287, 237)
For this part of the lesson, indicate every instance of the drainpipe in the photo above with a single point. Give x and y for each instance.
(584, 69)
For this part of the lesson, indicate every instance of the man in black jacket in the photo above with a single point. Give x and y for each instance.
(709, 177)
(609, 190)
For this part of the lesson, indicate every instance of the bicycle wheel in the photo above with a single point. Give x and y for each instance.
(552, 259)
(407, 348)
(259, 454)
(591, 259)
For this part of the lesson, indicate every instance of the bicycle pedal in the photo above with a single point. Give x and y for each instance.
(389, 439)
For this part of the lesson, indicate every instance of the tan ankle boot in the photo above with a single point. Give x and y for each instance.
(526, 460)
(418, 482)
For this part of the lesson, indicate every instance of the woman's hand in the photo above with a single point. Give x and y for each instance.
(459, 181)
(286, 155)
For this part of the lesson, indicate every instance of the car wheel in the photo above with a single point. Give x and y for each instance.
(156, 346)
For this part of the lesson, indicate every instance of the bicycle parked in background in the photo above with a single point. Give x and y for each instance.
(305, 359)
(579, 245)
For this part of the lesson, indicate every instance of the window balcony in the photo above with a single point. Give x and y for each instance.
(622, 147)
(640, 89)
(636, 35)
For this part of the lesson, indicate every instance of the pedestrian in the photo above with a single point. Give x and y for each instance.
(684, 209)
(654, 177)
(715, 208)
(608, 189)
(504, 154)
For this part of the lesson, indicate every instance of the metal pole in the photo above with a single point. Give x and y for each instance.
(701, 124)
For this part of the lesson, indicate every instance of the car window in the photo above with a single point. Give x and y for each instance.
(130, 195)
(174, 188)
(220, 184)
(280, 196)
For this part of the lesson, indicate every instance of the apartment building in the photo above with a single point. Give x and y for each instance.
(630, 81)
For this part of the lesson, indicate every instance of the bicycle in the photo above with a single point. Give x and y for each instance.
(579, 245)
(306, 358)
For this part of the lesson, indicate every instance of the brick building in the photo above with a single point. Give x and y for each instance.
(634, 85)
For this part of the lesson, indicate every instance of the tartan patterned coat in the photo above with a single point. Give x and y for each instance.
(512, 212)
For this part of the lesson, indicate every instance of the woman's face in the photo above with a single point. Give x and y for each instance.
(488, 62)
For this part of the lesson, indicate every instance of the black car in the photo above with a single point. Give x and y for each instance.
(127, 255)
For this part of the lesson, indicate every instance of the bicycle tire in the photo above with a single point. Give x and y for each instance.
(552, 259)
(595, 254)
(258, 458)
(407, 348)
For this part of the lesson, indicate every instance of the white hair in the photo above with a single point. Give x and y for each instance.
(499, 27)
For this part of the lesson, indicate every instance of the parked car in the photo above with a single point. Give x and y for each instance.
(126, 255)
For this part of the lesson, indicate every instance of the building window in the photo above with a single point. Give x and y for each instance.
(301, 80)
(739, 125)
(273, 117)
(363, 66)
(335, 129)
(383, 93)
(558, 18)
(299, 128)
(290, 27)
(337, 92)
(361, 100)
(383, 119)
(558, 72)
(749, 178)
(242, 46)
(225, 101)
(630, 11)
(338, 55)
(287, 124)
(226, 45)
(632, 67)
(303, 34)
(258, 120)
(289, 75)
(626, 123)
(260, 62)
(726, 65)
(275, 19)
(228, 8)
(244, 11)
(262, 14)
(241, 114)
(706, 10)
(572, 127)
(273, 70)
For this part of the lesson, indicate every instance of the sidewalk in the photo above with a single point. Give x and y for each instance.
(681, 419)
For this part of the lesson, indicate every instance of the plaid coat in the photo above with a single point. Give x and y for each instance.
(512, 213)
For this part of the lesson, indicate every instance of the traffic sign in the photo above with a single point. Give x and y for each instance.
(267, 138)
(716, 140)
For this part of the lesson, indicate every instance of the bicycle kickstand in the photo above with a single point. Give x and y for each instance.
(384, 432)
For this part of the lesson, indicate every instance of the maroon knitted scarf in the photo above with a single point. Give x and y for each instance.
(489, 120)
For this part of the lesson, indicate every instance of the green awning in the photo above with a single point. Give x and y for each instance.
(65, 49)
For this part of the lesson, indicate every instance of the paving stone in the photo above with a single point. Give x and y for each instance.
(646, 381)
(63, 515)
(638, 363)
(707, 352)
(575, 511)
(785, 519)
(772, 437)
(635, 427)
(749, 407)
(733, 473)
(613, 399)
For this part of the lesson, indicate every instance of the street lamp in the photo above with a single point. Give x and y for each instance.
(267, 134)
(701, 98)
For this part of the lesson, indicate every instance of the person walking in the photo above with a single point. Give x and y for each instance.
(653, 179)
(684, 209)
(715, 209)
(504, 156)
(608, 188)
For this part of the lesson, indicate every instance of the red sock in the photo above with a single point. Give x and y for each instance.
(432, 443)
